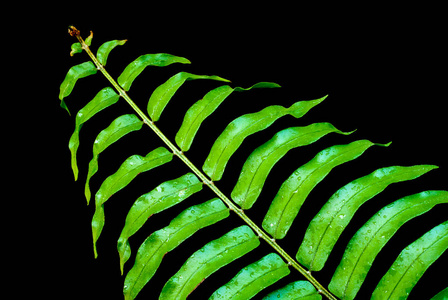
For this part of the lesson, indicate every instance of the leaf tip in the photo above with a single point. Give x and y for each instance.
(347, 133)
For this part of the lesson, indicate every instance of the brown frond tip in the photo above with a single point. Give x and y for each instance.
(73, 31)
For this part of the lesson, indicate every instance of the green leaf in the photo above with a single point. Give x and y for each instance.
(128, 170)
(162, 197)
(326, 227)
(295, 291)
(75, 73)
(115, 131)
(208, 260)
(443, 295)
(137, 66)
(199, 111)
(412, 263)
(253, 278)
(370, 239)
(293, 192)
(261, 160)
(105, 98)
(77, 48)
(162, 94)
(155, 247)
(104, 50)
(240, 128)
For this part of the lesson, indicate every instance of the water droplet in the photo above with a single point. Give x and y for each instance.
(341, 216)
(272, 224)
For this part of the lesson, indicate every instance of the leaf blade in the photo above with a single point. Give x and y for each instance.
(163, 93)
(134, 69)
(295, 291)
(412, 262)
(293, 192)
(128, 170)
(240, 128)
(253, 278)
(75, 73)
(208, 260)
(117, 129)
(326, 227)
(103, 99)
(153, 249)
(261, 160)
(203, 108)
(372, 236)
(104, 50)
(164, 196)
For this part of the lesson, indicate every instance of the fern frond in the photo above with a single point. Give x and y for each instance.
(322, 233)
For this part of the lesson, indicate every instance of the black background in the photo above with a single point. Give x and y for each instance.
(384, 70)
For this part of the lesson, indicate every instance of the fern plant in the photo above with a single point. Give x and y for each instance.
(322, 233)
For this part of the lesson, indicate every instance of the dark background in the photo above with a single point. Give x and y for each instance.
(383, 68)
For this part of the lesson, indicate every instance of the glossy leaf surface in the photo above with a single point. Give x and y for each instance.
(203, 108)
(261, 160)
(326, 227)
(208, 260)
(295, 291)
(233, 136)
(412, 263)
(137, 66)
(128, 170)
(370, 239)
(155, 247)
(116, 130)
(162, 197)
(104, 50)
(162, 94)
(105, 98)
(253, 278)
(293, 192)
(75, 73)
(443, 295)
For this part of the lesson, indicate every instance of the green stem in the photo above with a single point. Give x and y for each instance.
(74, 32)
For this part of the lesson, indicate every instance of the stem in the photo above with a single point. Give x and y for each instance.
(74, 32)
